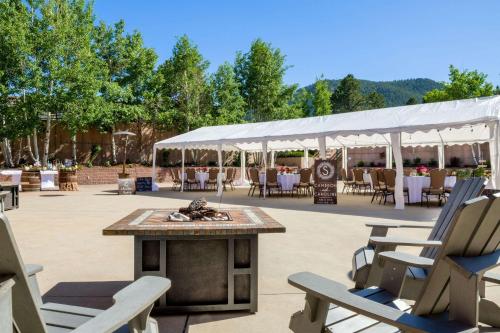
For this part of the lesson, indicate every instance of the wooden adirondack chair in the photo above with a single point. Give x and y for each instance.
(367, 267)
(131, 307)
(452, 288)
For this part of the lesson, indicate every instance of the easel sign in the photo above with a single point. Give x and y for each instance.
(325, 182)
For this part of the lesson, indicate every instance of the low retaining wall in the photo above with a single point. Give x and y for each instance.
(109, 175)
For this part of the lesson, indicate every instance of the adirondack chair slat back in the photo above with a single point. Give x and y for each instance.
(462, 191)
(24, 307)
(474, 230)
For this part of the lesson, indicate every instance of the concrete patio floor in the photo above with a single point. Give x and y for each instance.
(63, 232)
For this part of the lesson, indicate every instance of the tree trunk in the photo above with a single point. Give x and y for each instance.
(113, 147)
(73, 149)
(19, 152)
(35, 145)
(7, 153)
(28, 148)
(46, 139)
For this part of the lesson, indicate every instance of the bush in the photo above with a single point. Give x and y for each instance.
(292, 153)
(361, 164)
(464, 173)
(417, 161)
(406, 162)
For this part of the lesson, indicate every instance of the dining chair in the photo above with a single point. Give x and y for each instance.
(254, 181)
(304, 183)
(348, 184)
(377, 188)
(359, 181)
(212, 178)
(390, 185)
(436, 187)
(191, 179)
(272, 181)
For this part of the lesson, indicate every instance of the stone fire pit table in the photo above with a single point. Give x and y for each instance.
(212, 264)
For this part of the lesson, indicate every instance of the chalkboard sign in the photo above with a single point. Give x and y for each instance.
(144, 184)
(325, 182)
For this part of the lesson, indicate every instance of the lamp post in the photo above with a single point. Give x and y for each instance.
(126, 134)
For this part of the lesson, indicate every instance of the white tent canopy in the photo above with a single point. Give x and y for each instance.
(433, 124)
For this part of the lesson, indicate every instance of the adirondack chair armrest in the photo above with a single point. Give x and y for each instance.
(404, 241)
(425, 225)
(478, 265)
(337, 293)
(132, 305)
(491, 277)
(33, 269)
(407, 259)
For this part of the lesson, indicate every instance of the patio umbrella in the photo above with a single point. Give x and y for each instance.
(126, 134)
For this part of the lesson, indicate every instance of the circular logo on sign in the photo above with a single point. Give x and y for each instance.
(325, 170)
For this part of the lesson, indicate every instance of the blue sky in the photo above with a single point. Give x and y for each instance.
(374, 40)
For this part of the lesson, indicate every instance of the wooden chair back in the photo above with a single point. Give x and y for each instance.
(25, 308)
(174, 173)
(374, 178)
(305, 175)
(254, 175)
(390, 177)
(191, 174)
(343, 175)
(357, 175)
(463, 191)
(212, 174)
(474, 231)
(437, 178)
(272, 176)
(380, 176)
(230, 174)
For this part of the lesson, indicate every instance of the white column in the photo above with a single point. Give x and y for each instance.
(345, 162)
(243, 167)
(220, 175)
(182, 169)
(155, 186)
(306, 157)
(264, 158)
(388, 157)
(494, 155)
(398, 158)
(272, 158)
(322, 146)
(441, 157)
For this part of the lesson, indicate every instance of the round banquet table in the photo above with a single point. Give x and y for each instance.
(286, 180)
(415, 184)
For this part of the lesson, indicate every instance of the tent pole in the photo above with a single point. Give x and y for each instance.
(388, 157)
(243, 166)
(272, 158)
(398, 192)
(441, 157)
(264, 157)
(345, 163)
(220, 189)
(155, 187)
(183, 177)
(306, 157)
(494, 146)
(322, 146)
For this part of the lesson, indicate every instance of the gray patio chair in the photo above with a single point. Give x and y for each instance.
(448, 302)
(4, 196)
(131, 307)
(367, 267)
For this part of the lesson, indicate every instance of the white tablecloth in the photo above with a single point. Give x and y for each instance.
(202, 177)
(367, 179)
(415, 185)
(15, 176)
(47, 179)
(286, 180)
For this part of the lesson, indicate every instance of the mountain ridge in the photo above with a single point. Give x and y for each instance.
(395, 92)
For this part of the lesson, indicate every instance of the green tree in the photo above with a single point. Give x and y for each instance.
(321, 98)
(65, 76)
(347, 96)
(15, 118)
(411, 101)
(374, 100)
(185, 88)
(463, 84)
(260, 72)
(228, 104)
(302, 103)
(129, 70)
